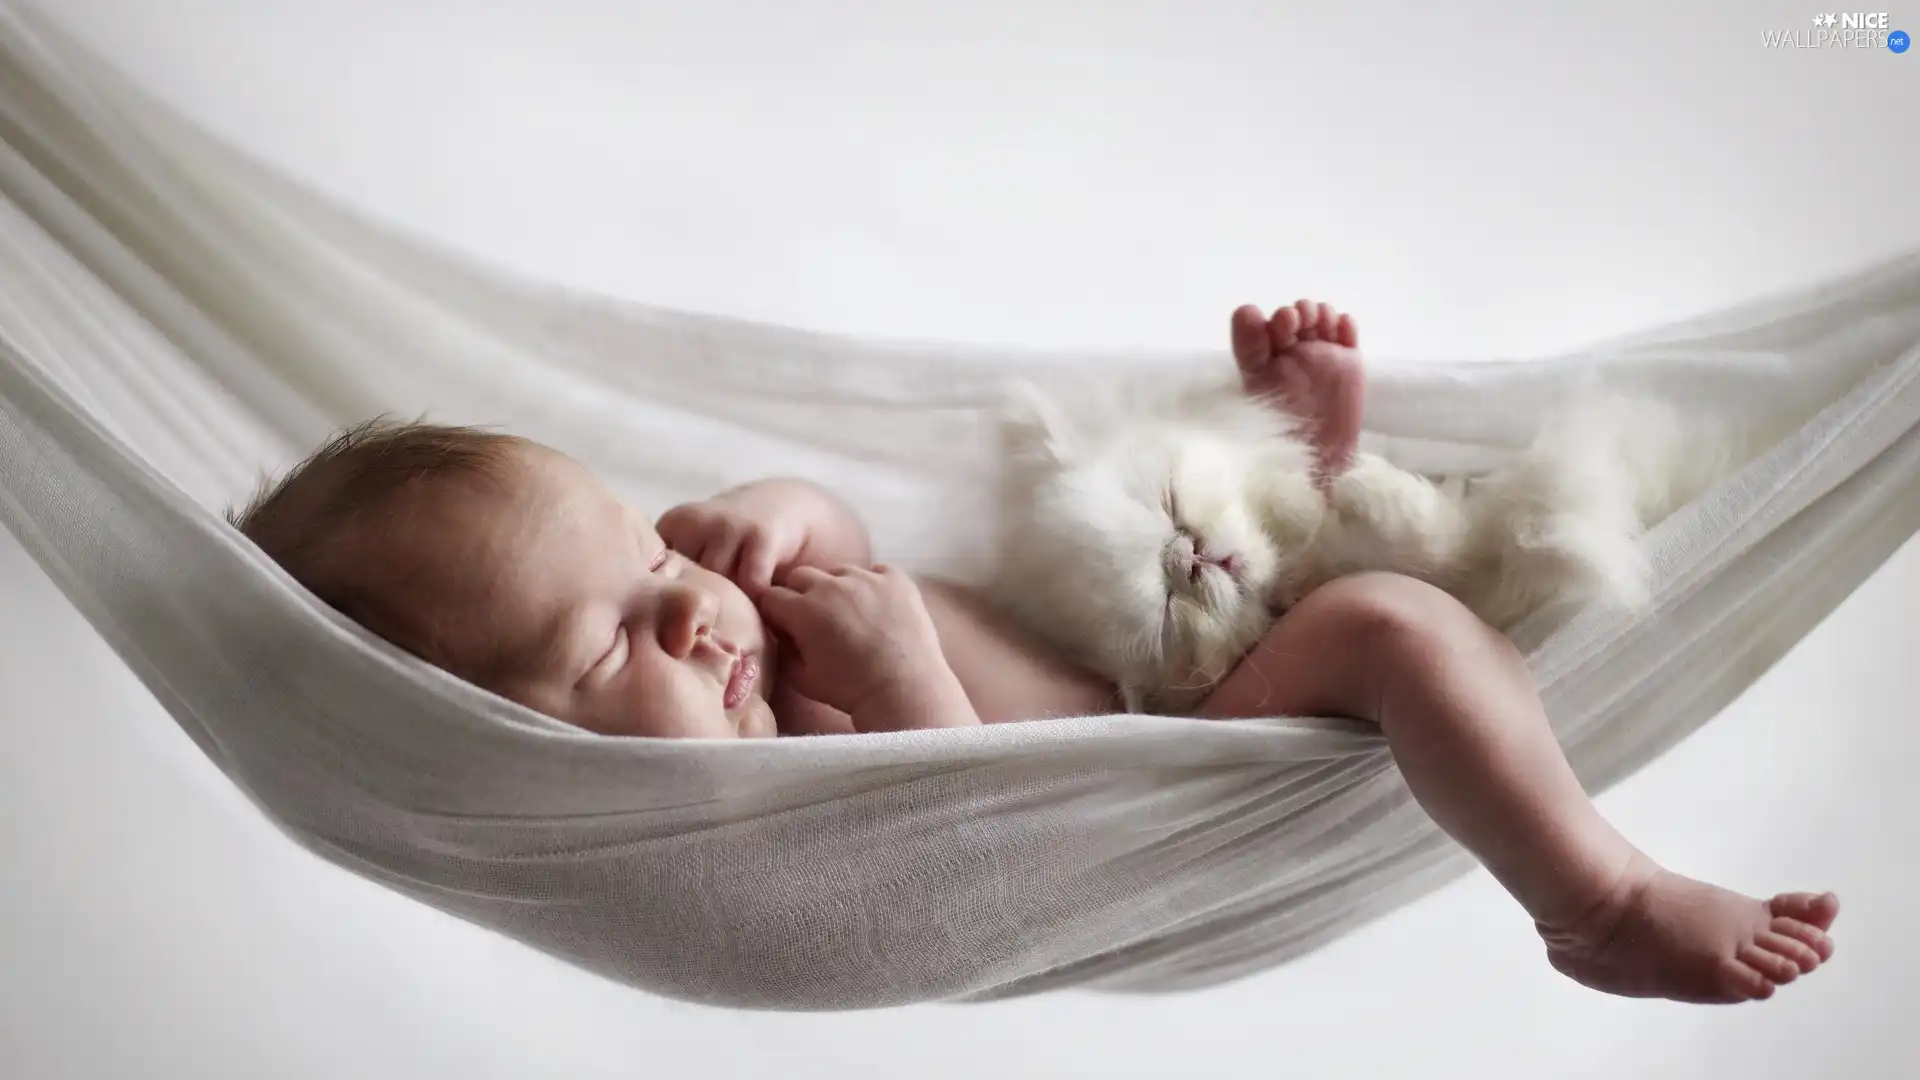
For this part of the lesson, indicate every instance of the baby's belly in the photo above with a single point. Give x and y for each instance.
(1007, 676)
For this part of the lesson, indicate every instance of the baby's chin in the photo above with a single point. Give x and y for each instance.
(757, 720)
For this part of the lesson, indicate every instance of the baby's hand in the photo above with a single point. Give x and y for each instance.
(862, 642)
(750, 534)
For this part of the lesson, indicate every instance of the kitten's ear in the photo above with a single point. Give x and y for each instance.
(1032, 424)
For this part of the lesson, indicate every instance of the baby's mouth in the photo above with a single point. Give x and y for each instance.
(740, 680)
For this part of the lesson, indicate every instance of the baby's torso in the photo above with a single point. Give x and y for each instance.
(1008, 676)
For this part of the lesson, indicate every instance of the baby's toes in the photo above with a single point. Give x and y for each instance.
(1284, 328)
(1741, 980)
(1770, 965)
(1308, 312)
(1803, 955)
(1345, 332)
(1806, 933)
(1251, 347)
(1815, 909)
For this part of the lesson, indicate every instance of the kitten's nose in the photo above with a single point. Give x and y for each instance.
(1198, 562)
(1198, 555)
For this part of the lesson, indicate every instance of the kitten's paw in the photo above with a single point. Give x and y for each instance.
(1386, 518)
(1390, 501)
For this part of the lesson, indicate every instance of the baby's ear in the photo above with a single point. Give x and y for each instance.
(1032, 424)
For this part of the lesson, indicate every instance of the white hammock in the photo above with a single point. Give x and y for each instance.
(175, 319)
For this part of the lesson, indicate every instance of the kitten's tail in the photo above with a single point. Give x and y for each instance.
(1652, 452)
(1570, 512)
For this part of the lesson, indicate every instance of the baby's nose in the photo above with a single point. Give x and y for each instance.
(719, 643)
(688, 616)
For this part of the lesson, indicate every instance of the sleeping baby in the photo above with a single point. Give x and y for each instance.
(761, 612)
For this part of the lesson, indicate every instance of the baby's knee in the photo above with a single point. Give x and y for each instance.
(1383, 613)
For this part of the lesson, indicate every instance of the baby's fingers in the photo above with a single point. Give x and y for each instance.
(788, 622)
(775, 605)
(755, 568)
(722, 548)
(783, 608)
(681, 527)
(803, 578)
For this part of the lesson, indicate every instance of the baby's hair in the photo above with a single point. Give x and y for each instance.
(316, 520)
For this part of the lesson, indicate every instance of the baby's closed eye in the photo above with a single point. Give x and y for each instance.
(611, 659)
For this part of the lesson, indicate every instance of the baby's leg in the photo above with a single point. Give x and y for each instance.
(1307, 355)
(1468, 731)
(1007, 676)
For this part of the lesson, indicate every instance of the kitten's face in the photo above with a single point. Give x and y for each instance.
(1217, 569)
(1162, 552)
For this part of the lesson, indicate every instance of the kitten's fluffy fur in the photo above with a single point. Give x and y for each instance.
(1113, 506)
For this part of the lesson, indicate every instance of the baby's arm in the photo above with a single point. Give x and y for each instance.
(759, 532)
(834, 535)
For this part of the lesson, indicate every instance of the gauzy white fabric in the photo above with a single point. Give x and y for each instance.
(174, 320)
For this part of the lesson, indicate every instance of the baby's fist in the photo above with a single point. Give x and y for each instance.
(859, 637)
(733, 540)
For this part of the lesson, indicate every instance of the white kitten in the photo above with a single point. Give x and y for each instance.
(1152, 530)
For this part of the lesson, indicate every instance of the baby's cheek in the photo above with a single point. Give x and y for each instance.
(750, 632)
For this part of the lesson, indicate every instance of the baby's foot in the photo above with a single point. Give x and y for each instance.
(1309, 356)
(1662, 935)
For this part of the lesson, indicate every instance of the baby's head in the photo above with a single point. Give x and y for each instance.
(510, 565)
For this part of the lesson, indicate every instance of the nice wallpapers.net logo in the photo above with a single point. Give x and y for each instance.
(1842, 30)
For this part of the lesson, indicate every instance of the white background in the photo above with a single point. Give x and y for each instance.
(1472, 179)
